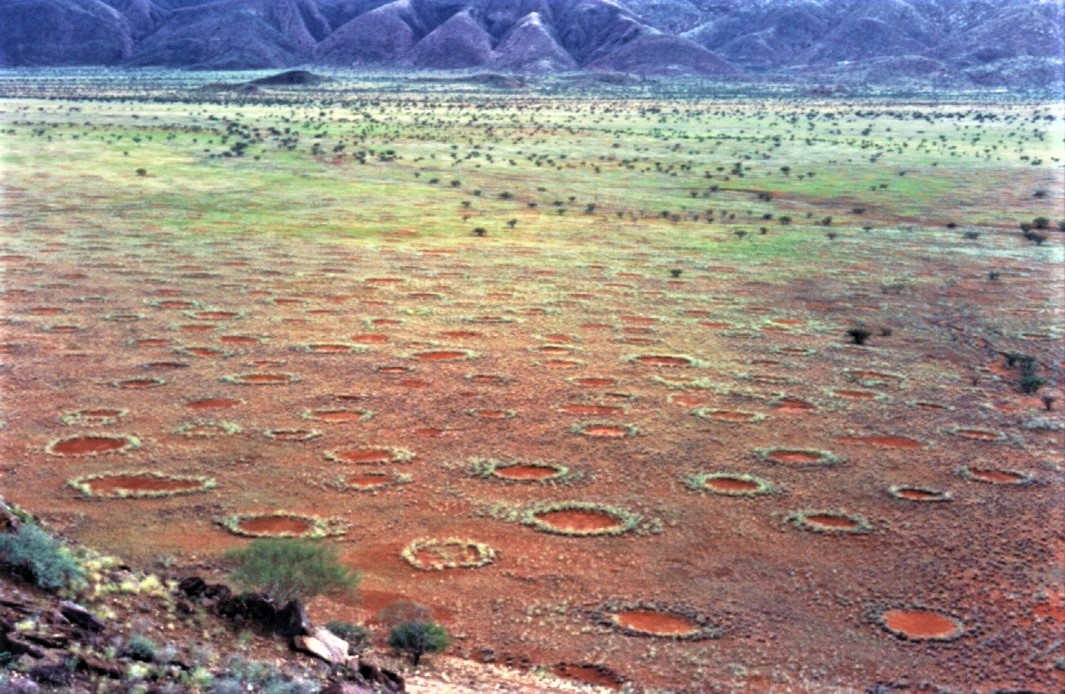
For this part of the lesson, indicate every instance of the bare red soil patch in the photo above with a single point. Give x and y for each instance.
(921, 625)
(580, 520)
(655, 623)
(92, 444)
(213, 403)
(592, 410)
(275, 525)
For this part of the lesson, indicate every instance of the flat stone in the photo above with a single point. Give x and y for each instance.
(324, 644)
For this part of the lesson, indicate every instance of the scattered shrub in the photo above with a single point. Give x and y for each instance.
(140, 647)
(292, 569)
(858, 335)
(418, 638)
(43, 558)
(357, 636)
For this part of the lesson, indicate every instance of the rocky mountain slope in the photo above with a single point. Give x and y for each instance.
(962, 42)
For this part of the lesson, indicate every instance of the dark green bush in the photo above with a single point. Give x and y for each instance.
(292, 569)
(140, 648)
(44, 559)
(357, 636)
(418, 638)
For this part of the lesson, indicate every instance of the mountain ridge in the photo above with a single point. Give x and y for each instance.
(968, 42)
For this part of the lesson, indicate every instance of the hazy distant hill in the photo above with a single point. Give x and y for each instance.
(984, 42)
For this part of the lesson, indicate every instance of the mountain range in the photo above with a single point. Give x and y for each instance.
(963, 42)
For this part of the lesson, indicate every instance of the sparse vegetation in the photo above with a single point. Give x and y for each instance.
(292, 569)
(40, 557)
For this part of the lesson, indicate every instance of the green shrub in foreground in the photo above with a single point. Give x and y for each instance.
(292, 569)
(45, 559)
(418, 638)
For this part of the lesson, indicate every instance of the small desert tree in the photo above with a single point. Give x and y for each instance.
(418, 638)
(292, 569)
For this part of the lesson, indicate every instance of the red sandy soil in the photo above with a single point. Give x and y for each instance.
(794, 606)
(920, 624)
(731, 484)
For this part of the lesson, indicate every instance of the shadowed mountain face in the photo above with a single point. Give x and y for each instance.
(966, 42)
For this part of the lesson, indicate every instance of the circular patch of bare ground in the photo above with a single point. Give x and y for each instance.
(213, 314)
(450, 354)
(831, 522)
(855, 394)
(337, 416)
(92, 444)
(63, 328)
(919, 624)
(292, 434)
(213, 403)
(208, 429)
(589, 673)
(995, 475)
(138, 383)
(797, 457)
(492, 414)
(261, 379)
(594, 381)
(605, 430)
(122, 317)
(460, 334)
(94, 416)
(487, 379)
(204, 352)
(490, 319)
(663, 360)
(393, 369)
(900, 442)
(654, 620)
(367, 481)
(729, 484)
(905, 492)
(140, 484)
(370, 455)
(518, 471)
(873, 379)
(164, 365)
(283, 524)
(241, 340)
(580, 519)
(978, 434)
(790, 405)
(331, 348)
(430, 554)
(591, 409)
(369, 339)
(174, 304)
(729, 416)
(561, 363)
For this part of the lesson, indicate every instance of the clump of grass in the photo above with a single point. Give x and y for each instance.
(140, 647)
(40, 557)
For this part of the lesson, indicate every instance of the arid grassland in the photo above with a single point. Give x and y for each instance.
(658, 387)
